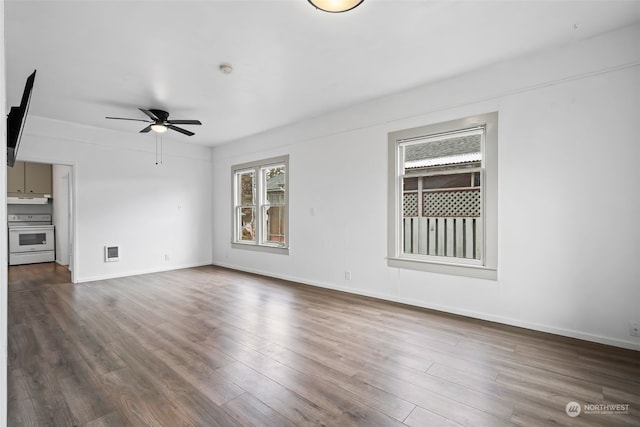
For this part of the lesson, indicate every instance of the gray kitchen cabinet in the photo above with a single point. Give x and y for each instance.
(29, 179)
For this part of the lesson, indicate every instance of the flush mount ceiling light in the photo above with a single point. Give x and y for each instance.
(335, 6)
(226, 68)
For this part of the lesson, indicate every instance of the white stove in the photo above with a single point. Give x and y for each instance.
(31, 239)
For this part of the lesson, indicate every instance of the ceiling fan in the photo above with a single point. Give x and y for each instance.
(160, 122)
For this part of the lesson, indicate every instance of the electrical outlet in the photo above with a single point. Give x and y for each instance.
(634, 329)
(347, 275)
(167, 257)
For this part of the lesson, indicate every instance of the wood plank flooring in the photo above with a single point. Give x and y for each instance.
(214, 347)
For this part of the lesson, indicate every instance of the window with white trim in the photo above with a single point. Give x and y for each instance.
(261, 204)
(443, 197)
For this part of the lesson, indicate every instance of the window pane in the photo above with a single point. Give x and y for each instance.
(275, 225)
(274, 178)
(450, 150)
(246, 224)
(246, 188)
(273, 210)
(442, 216)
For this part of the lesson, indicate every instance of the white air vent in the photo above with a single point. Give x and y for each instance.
(111, 253)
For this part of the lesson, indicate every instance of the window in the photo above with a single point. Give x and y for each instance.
(260, 205)
(443, 197)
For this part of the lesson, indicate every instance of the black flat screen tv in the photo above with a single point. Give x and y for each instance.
(16, 119)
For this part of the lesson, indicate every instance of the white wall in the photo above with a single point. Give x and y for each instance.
(123, 198)
(568, 196)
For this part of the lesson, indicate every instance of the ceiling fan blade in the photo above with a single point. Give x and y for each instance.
(122, 118)
(184, 122)
(177, 129)
(150, 114)
(145, 130)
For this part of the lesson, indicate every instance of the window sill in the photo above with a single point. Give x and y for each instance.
(282, 250)
(475, 271)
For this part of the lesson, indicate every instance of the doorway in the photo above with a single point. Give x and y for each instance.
(57, 203)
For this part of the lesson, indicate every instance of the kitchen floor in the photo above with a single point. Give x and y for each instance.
(30, 276)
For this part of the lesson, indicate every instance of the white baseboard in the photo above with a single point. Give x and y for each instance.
(453, 310)
(139, 272)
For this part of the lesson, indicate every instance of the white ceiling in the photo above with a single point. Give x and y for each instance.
(291, 62)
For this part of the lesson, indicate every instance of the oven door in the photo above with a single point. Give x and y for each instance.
(31, 239)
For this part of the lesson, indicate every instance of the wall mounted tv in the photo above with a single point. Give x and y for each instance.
(16, 119)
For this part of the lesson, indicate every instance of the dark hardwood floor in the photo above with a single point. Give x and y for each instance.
(214, 347)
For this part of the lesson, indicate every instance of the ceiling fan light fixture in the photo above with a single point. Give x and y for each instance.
(335, 6)
(159, 128)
